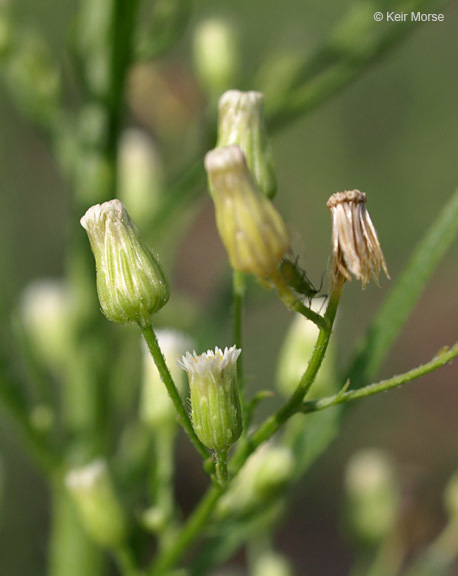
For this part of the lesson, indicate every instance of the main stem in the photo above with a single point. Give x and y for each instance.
(185, 421)
(238, 286)
(294, 404)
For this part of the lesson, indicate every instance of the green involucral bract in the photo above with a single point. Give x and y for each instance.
(130, 282)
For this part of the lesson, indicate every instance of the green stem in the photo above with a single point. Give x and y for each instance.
(189, 534)
(221, 467)
(290, 300)
(443, 357)
(162, 489)
(294, 404)
(14, 404)
(185, 421)
(238, 287)
(126, 562)
(193, 528)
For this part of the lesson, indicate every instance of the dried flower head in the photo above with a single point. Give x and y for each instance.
(355, 246)
(215, 405)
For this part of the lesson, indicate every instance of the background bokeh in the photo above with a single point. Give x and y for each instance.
(391, 133)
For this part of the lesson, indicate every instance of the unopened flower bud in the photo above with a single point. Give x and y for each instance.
(45, 315)
(295, 354)
(156, 407)
(216, 54)
(140, 175)
(215, 404)
(130, 283)
(97, 503)
(241, 121)
(355, 247)
(263, 477)
(451, 497)
(372, 496)
(270, 563)
(253, 232)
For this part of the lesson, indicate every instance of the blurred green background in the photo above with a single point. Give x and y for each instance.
(392, 134)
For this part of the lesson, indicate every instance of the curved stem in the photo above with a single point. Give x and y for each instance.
(238, 288)
(290, 300)
(190, 532)
(444, 357)
(192, 529)
(183, 416)
(294, 404)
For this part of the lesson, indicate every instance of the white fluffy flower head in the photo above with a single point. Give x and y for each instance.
(215, 362)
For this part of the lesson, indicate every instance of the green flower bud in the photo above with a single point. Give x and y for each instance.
(295, 354)
(156, 408)
(140, 175)
(451, 497)
(130, 283)
(263, 477)
(97, 504)
(253, 232)
(45, 315)
(372, 494)
(270, 563)
(215, 405)
(241, 121)
(216, 55)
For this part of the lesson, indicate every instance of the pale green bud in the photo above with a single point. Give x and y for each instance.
(372, 496)
(296, 350)
(45, 314)
(97, 503)
(266, 473)
(156, 408)
(140, 175)
(451, 497)
(253, 232)
(271, 563)
(216, 54)
(241, 121)
(130, 283)
(215, 405)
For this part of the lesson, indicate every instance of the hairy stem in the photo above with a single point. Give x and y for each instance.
(183, 416)
(443, 357)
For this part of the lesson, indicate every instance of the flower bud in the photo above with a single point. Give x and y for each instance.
(156, 407)
(355, 246)
(253, 232)
(263, 477)
(45, 314)
(215, 404)
(140, 175)
(297, 348)
(451, 497)
(97, 504)
(270, 563)
(130, 283)
(372, 496)
(241, 121)
(216, 54)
